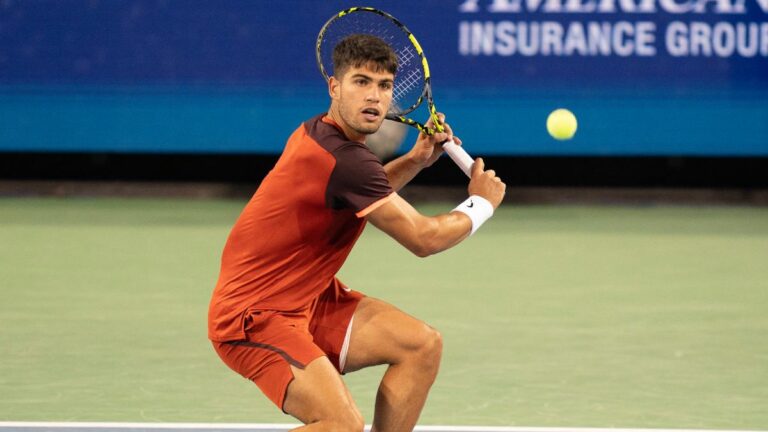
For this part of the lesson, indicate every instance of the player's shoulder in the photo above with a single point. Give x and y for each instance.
(357, 165)
(326, 134)
(356, 155)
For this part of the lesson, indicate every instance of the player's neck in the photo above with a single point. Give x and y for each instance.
(350, 133)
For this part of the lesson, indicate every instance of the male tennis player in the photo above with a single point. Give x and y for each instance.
(279, 316)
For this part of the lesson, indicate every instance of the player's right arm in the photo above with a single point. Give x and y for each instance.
(428, 235)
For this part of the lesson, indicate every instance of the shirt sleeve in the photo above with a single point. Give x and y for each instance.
(358, 179)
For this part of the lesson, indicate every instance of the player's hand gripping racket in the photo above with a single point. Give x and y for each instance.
(412, 82)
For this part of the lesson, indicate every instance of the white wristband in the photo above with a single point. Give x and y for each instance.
(478, 209)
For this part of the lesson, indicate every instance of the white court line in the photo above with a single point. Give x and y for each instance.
(285, 426)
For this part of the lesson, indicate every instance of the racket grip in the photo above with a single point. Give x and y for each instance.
(459, 156)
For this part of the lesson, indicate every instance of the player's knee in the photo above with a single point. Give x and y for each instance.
(435, 346)
(430, 347)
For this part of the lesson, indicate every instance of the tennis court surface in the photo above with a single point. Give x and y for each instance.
(554, 316)
(277, 427)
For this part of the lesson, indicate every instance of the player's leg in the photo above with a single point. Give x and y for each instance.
(280, 356)
(319, 398)
(382, 334)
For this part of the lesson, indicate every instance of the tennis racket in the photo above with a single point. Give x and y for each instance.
(412, 82)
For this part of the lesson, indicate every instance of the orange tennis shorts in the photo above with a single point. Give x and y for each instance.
(276, 340)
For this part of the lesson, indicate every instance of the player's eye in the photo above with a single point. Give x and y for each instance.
(361, 81)
(385, 86)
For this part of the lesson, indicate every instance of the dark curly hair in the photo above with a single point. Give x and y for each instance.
(361, 49)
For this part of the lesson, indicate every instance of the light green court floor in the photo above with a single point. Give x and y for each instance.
(562, 316)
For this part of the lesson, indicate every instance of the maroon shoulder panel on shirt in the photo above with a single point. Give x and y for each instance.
(358, 178)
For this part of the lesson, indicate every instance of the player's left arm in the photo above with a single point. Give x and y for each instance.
(420, 234)
(425, 235)
(424, 153)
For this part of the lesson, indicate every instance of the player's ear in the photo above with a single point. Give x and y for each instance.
(334, 88)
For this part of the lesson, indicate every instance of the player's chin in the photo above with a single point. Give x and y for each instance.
(369, 128)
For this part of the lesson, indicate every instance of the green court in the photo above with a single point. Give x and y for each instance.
(567, 316)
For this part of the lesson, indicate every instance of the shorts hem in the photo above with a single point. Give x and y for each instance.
(291, 361)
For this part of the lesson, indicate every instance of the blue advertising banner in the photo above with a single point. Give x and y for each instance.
(644, 77)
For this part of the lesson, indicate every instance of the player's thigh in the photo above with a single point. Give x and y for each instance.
(318, 393)
(383, 334)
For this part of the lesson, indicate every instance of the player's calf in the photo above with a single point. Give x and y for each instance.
(319, 398)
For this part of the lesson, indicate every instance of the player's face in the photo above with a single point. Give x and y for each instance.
(362, 98)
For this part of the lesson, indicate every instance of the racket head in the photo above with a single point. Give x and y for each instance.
(411, 84)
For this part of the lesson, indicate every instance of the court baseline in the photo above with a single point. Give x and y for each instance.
(281, 427)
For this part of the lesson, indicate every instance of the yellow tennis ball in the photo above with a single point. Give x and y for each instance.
(561, 124)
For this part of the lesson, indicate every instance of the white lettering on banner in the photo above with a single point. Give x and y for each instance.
(515, 6)
(506, 40)
(582, 6)
(720, 6)
(577, 41)
(722, 39)
(508, 6)
(623, 39)
(764, 39)
(469, 6)
(599, 38)
(672, 6)
(629, 6)
(677, 44)
(613, 6)
(746, 44)
(621, 45)
(700, 36)
(646, 38)
(552, 38)
(477, 39)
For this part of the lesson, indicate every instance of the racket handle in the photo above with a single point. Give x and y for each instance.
(459, 156)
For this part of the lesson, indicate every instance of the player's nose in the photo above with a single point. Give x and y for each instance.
(374, 94)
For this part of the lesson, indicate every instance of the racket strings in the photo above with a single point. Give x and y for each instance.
(404, 57)
(409, 79)
(405, 85)
(352, 24)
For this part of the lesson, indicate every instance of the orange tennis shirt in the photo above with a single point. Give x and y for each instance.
(298, 228)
